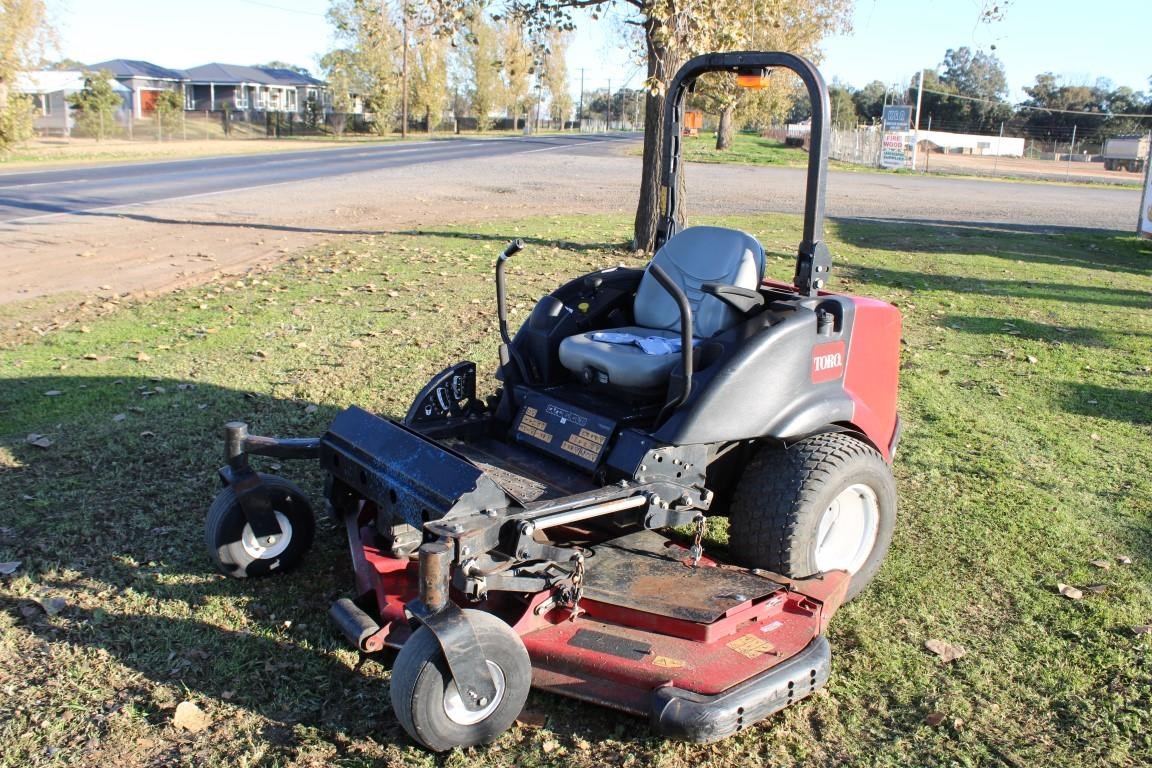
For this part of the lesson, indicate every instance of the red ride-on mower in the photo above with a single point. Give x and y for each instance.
(524, 538)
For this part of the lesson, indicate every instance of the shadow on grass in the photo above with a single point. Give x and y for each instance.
(1037, 244)
(1026, 329)
(578, 247)
(1008, 288)
(1131, 405)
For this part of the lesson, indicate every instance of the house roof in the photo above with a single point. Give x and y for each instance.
(234, 74)
(51, 81)
(131, 68)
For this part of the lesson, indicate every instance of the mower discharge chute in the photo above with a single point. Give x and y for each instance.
(522, 539)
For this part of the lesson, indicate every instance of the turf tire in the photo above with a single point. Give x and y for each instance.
(783, 494)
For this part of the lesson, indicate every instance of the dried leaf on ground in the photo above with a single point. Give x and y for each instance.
(1103, 565)
(52, 605)
(53, 393)
(948, 652)
(935, 718)
(9, 568)
(1124, 560)
(1096, 589)
(120, 417)
(1069, 592)
(190, 717)
(1143, 629)
(143, 357)
(40, 441)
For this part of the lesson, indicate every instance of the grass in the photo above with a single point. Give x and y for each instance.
(746, 149)
(1027, 400)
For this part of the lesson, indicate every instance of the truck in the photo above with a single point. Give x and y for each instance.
(1126, 153)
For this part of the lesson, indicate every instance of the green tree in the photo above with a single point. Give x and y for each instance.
(341, 72)
(482, 60)
(797, 29)
(842, 106)
(980, 78)
(516, 69)
(24, 34)
(672, 32)
(96, 104)
(169, 106)
(286, 66)
(554, 76)
(429, 78)
(370, 43)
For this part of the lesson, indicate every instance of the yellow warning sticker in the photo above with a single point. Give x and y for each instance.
(751, 646)
(667, 663)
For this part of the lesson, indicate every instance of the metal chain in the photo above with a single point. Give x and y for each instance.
(577, 584)
(697, 549)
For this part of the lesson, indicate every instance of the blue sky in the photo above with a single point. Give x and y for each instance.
(891, 40)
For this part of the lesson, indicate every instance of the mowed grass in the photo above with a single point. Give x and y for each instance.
(746, 149)
(1026, 395)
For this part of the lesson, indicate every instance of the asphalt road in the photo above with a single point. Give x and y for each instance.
(31, 195)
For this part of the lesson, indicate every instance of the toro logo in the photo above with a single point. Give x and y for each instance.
(827, 361)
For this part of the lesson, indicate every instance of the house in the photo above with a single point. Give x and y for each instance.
(50, 90)
(144, 80)
(262, 89)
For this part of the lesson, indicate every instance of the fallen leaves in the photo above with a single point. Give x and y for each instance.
(947, 652)
(40, 441)
(9, 568)
(1069, 592)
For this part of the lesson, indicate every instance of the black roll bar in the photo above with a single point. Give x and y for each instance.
(813, 259)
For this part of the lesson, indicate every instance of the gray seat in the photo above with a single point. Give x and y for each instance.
(693, 257)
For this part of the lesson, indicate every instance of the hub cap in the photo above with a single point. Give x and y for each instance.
(260, 549)
(454, 706)
(847, 530)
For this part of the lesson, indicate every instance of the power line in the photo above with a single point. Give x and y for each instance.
(1037, 109)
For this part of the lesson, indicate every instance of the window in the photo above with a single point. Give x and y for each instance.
(241, 97)
(43, 103)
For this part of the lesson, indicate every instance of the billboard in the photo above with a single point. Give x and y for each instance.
(897, 117)
(896, 151)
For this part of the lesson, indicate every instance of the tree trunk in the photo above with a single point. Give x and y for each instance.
(662, 63)
(725, 131)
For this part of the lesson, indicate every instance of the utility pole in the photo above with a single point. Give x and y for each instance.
(916, 134)
(1071, 146)
(608, 114)
(580, 109)
(404, 70)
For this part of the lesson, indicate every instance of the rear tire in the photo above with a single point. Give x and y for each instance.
(825, 503)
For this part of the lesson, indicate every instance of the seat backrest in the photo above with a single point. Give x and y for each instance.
(693, 257)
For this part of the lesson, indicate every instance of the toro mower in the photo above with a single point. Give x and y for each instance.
(551, 533)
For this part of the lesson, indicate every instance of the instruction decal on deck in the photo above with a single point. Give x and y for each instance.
(577, 436)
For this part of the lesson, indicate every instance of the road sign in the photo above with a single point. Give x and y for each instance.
(897, 117)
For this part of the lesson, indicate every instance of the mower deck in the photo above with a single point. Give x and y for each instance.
(662, 639)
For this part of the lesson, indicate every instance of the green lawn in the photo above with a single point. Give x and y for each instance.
(746, 149)
(1027, 401)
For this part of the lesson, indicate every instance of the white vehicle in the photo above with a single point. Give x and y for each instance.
(1126, 153)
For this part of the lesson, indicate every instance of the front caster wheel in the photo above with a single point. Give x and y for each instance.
(234, 548)
(427, 702)
(826, 503)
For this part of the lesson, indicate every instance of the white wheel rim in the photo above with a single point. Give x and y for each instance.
(262, 550)
(847, 530)
(454, 706)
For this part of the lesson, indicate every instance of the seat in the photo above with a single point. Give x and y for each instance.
(696, 256)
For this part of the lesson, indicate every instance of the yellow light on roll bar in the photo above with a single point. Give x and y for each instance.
(753, 79)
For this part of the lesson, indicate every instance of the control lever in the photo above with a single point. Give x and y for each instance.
(508, 353)
(513, 248)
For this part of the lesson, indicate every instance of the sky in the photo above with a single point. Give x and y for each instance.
(891, 39)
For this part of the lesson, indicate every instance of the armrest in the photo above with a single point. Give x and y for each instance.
(741, 299)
